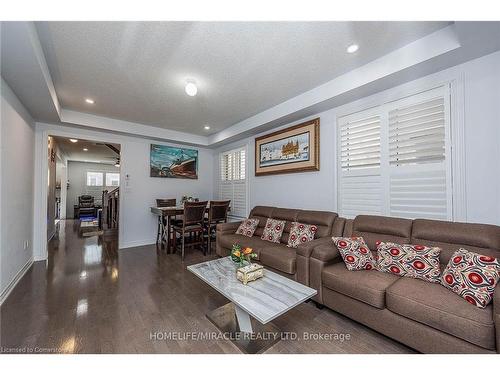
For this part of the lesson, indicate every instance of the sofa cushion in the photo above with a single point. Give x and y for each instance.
(324, 220)
(450, 236)
(365, 286)
(247, 227)
(278, 256)
(301, 233)
(262, 213)
(438, 307)
(228, 240)
(381, 228)
(355, 253)
(273, 230)
(417, 261)
(472, 276)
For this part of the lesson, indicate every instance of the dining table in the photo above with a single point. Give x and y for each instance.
(165, 225)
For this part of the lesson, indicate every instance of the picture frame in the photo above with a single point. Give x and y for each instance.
(291, 150)
(173, 162)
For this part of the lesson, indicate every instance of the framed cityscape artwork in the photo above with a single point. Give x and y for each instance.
(294, 149)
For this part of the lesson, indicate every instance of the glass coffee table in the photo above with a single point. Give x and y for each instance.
(246, 320)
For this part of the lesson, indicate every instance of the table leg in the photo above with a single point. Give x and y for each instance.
(243, 320)
(248, 334)
(168, 233)
(162, 231)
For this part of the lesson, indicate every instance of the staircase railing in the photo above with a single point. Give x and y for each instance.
(110, 209)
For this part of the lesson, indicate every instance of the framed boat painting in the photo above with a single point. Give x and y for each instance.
(294, 149)
(173, 162)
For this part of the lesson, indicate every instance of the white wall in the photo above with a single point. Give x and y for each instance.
(317, 190)
(141, 190)
(138, 191)
(482, 135)
(77, 177)
(61, 180)
(16, 192)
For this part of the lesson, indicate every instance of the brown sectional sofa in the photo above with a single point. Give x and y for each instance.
(279, 257)
(425, 316)
(422, 315)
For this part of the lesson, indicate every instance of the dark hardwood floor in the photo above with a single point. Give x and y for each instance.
(91, 298)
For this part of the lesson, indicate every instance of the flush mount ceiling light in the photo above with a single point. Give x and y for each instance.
(206, 127)
(89, 101)
(191, 88)
(72, 140)
(85, 149)
(352, 48)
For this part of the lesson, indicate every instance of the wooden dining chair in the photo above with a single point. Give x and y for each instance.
(168, 202)
(217, 213)
(192, 224)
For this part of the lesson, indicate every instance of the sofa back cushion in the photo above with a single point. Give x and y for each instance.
(480, 238)
(288, 215)
(381, 228)
(262, 213)
(322, 219)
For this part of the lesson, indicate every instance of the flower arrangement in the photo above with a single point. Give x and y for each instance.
(241, 255)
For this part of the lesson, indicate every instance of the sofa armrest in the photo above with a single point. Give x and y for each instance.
(326, 253)
(304, 252)
(496, 315)
(322, 256)
(222, 230)
(228, 227)
(307, 248)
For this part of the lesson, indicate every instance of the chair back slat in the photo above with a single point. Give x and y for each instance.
(194, 212)
(169, 202)
(218, 211)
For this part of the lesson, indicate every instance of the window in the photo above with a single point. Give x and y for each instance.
(232, 181)
(94, 178)
(112, 179)
(395, 158)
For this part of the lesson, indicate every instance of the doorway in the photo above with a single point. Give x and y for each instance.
(83, 189)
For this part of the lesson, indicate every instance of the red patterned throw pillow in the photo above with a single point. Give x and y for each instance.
(472, 276)
(355, 253)
(247, 227)
(273, 230)
(301, 233)
(417, 261)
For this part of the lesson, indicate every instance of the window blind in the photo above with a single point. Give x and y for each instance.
(360, 143)
(394, 159)
(233, 181)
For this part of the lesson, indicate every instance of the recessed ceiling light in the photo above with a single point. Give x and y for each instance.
(85, 149)
(89, 101)
(191, 89)
(352, 48)
(72, 140)
(206, 127)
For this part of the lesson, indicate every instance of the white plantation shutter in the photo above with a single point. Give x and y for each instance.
(360, 184)
(360, 143)
(406, 171)
(233, 181)
(420, 169)
(417, 133)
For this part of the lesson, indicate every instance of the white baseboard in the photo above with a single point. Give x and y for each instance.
(5, 293)
(127, 245)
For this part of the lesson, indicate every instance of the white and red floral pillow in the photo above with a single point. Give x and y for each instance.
(273, 230)
(472, 276)
(355, 253)
(301, 233)
(417, 261)
(247, 227)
